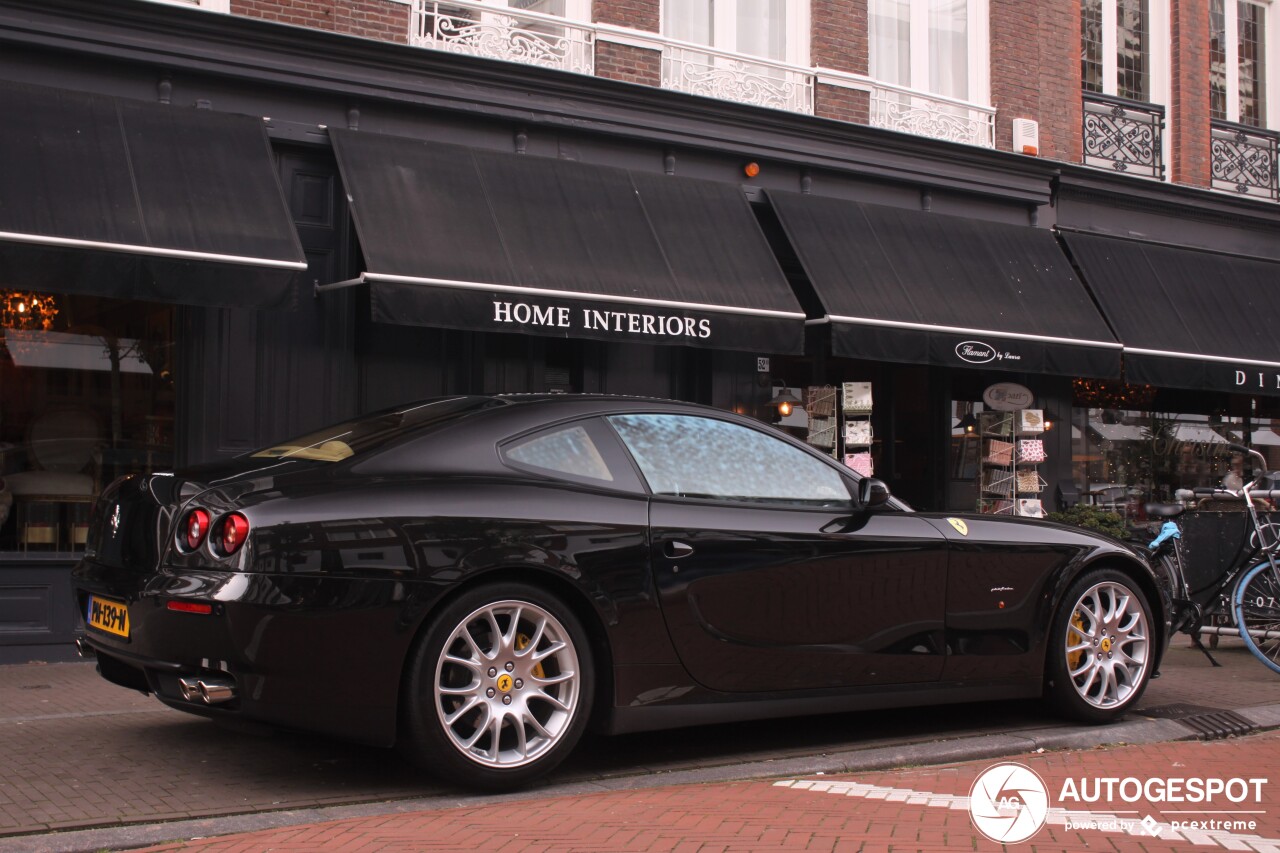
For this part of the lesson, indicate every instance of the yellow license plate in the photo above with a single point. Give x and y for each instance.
(109, 616)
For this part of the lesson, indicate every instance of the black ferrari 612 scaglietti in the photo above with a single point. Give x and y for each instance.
(481, 578)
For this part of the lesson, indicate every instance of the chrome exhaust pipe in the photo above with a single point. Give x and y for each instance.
(209, 689)
(84, 650)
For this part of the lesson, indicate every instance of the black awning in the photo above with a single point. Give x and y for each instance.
(138, 200)
(460, 238)
(907, 286)
(1187, 318)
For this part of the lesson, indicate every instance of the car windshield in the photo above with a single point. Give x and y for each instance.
(340, 441)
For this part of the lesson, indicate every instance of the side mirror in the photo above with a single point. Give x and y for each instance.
(872, 492)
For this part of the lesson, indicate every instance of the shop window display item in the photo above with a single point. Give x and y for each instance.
(1031, 450)
(998, 452)
(1031, 421)
(856, 397)
(855, 404)
(857, 432)
(996, 423)
(820, 405)
(1030, 481)
(1030, 507)
(1010, 479)
(822, 432)
(860, 462)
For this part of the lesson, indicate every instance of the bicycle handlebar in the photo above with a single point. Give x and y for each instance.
(1248, 451)
(1268, 494)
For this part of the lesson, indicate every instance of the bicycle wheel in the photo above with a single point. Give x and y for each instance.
(1257, 611)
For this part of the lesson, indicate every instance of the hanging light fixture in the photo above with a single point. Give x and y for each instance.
(27, 310)
(784, 400)
(1101, 394)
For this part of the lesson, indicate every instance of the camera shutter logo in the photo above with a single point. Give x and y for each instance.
(1008, 803)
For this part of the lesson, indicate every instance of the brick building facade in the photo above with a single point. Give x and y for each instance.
(1032, 55)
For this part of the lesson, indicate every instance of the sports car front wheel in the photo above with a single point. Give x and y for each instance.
(499, 687)
(1101, 648)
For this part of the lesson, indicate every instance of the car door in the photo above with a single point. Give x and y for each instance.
(769, 576)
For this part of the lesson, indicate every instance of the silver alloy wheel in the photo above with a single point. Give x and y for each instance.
(1107, 645)
(507, 684)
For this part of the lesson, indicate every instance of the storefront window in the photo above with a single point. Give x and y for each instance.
(1126, 455)
(86, 395)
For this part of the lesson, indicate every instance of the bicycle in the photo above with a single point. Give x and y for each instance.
(1246, 596)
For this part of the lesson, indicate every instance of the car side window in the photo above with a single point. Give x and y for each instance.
(567, 449)
(690, 456)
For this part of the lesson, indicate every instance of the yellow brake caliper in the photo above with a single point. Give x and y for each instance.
(1074, 636)
(522, 640)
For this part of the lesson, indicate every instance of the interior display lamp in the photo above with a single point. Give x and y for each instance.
(27, 310)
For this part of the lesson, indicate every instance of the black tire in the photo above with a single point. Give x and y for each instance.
(498, 710)
(1102, 647)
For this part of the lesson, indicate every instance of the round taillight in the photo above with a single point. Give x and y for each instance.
(234, 530)
(195, 526)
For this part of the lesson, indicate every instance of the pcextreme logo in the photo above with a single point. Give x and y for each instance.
(1008, 803)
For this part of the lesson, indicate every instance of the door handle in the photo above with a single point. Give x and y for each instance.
(677, 550)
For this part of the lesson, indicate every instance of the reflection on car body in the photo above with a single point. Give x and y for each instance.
(482, 577)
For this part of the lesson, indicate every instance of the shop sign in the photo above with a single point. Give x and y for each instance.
(978, 352)
(1008, 397)
(1260, 380)
(600, 320)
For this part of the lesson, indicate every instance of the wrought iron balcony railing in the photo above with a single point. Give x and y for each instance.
(1243, 160)
(1123, 135)
(935, 116)
(477, 29)
(701, 70)
(550, 41)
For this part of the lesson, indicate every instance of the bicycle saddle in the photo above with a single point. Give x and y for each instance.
(1164, 510)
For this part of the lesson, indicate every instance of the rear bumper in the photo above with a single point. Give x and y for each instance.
(315, 653)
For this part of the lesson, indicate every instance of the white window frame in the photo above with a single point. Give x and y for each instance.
(1157, 47)
(724, 35)
(979, 50)
(1271, 77)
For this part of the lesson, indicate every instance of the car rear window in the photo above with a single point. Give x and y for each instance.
(564, 450)
(361, 435)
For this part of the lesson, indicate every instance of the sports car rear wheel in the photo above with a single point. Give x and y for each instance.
(499, 687)
(1102, 647)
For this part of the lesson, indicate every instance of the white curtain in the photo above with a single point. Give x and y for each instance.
(949, 48)
(688, 20)
(890, 37)
(762, 28)
(546, 7)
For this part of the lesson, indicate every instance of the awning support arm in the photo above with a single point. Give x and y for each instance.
(339, 285)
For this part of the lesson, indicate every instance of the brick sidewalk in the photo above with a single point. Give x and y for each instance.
(80, 753)
(902, 810)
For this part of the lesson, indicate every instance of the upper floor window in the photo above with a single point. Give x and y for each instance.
(935, 46)
(1116, 49)
(211, 5)
(771, 29)
(1237, 61)
(576, 9)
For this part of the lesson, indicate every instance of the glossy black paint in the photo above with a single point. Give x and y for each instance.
(698, 611)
